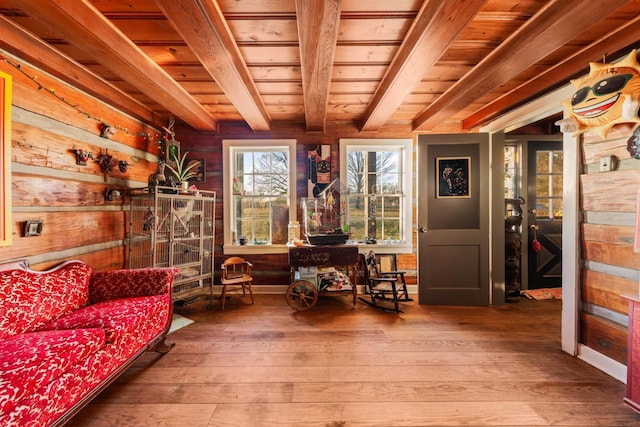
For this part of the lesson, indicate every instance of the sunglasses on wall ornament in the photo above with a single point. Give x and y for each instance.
(603, 87)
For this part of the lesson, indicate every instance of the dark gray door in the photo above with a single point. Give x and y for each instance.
(453, 219)
(544, 198)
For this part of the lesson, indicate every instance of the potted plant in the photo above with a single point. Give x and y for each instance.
(184, 171)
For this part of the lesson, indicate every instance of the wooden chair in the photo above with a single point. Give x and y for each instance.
(236, 275)
(383, 282)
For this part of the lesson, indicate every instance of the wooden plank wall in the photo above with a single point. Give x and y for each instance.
(273, 269)
(50, 119)
(610, 268)
(78, 223)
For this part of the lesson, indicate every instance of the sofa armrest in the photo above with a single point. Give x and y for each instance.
(106, 285)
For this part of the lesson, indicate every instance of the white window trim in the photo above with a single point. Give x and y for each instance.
(227, 162)
(406, 145)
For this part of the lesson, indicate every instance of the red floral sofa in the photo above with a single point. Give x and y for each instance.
(68, 332)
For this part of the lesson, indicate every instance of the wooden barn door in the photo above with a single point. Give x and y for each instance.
(544, 198)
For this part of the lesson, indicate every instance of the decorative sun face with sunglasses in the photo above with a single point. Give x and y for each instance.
(607, 96)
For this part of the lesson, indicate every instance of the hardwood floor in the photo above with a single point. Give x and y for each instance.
(266, 365)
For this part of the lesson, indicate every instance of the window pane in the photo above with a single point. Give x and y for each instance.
(377, 171)
(355, 177)
(261, 193)
(542, 162)
(358, 229)
(542, 208)
(391, 229)
(390, 184)
(557, 161)
(388, 162)
(557, 208)
(510, 172)
(542, 186)
(557, 186)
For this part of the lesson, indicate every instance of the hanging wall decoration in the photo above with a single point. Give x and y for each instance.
(106, 131)
(82, 156)
(107, 162)
(633, 144)
(319, 169)
(607, 96)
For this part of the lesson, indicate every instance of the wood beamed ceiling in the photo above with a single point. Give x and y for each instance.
(432, 65)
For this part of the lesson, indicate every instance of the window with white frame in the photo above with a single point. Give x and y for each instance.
(378, 175)
(511, 171)
(259, 178)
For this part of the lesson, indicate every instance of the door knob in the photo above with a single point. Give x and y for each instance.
(423, 229)
(532, 211)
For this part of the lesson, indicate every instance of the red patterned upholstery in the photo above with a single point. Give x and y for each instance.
(32, 360)
(131, 283)
(58, 349)
(116, 317)
(46, 295)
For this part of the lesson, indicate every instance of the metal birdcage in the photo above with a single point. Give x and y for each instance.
(172, 229)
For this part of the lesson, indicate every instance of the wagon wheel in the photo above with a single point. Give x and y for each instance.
(301, 295)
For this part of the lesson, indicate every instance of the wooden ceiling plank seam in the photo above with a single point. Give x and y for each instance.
(549, 29)
(318, 22)
(17, 40)
(204, 29)
(436, 26)
(559, 73)
(83, 25)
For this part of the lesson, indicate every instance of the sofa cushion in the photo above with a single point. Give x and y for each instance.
(29, 299)
(116, 317)
(32, 360)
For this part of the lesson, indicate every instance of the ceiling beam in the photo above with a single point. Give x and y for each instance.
(433, 30)
(560, 73)
(26, 45)
(552, 27)
(318, 22)
(85, 27)
(204, 28)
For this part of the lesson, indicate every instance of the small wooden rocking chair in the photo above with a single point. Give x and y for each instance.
(383, 282)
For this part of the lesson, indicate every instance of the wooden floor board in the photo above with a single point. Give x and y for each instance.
(266, 365)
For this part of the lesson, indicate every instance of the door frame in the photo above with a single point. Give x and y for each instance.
(523, 142)
(540, 108)
(480, 237)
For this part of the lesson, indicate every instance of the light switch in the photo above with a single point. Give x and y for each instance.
(605, 163)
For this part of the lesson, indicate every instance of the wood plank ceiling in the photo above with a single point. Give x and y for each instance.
(433, 65)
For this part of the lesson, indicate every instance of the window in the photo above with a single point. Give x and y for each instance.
(260, 189)
(549, 184)
(511, 173)
(377, 174)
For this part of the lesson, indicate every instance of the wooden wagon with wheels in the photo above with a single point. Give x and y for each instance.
(303, 292)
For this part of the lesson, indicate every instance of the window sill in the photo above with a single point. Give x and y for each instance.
(255, 249)
(283, 249)
(384, 248)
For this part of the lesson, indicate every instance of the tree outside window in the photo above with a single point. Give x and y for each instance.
(378, 188)
(260, 192)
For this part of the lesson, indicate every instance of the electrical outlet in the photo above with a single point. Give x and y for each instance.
(605, 163)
